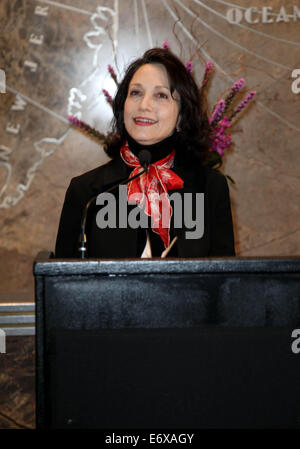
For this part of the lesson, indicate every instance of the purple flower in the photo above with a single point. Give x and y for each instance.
(225, 122)
(75, 121)
(238, 85)
(107, 96)
(244, 103)
(92, 132)
(208, 69)
(112, 73)
(165, 45)
(209, 66)
(189, 66)
(221, 140)
(218, 112)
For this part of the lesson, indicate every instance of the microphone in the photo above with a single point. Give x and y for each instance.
(145, 159)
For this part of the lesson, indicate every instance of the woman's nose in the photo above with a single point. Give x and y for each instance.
(145, 103)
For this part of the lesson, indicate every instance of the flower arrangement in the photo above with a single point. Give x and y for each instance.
(87, 129)
(220, 123)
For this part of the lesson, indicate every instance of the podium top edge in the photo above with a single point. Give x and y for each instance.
(53, 267)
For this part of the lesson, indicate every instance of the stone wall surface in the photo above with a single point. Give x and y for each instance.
(17, 379)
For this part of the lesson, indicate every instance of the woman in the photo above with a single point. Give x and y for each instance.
(158, 107)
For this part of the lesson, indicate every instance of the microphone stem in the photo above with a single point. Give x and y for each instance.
(82, 239)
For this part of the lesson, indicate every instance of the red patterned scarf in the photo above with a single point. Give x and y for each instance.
(150, 190)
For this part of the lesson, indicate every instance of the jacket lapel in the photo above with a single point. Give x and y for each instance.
(194, 182)
(113, 243)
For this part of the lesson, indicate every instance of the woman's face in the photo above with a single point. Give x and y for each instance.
(150, 111)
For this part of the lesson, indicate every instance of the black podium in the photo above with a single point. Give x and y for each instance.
(167, 344)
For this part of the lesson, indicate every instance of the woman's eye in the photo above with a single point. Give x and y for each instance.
(162, 95)
(134, 92)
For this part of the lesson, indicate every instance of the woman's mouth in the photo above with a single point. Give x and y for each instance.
(144, 121)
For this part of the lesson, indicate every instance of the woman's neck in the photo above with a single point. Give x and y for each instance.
(158, 150)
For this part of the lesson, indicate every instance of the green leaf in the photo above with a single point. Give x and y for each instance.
(230, 179)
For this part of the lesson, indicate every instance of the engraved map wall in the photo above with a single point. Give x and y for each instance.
(54, 55)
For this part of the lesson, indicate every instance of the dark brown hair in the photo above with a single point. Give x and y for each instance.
(193, 139)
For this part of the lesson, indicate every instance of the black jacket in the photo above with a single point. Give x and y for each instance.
(217, 240)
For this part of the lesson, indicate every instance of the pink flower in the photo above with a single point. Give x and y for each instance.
(74, 120)
(208, 66)
(208, 69)
(221, 140)
(238, 85)
(189, 66)
(225, 122)
(112, 73)
(165, 45)
(111, 70)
